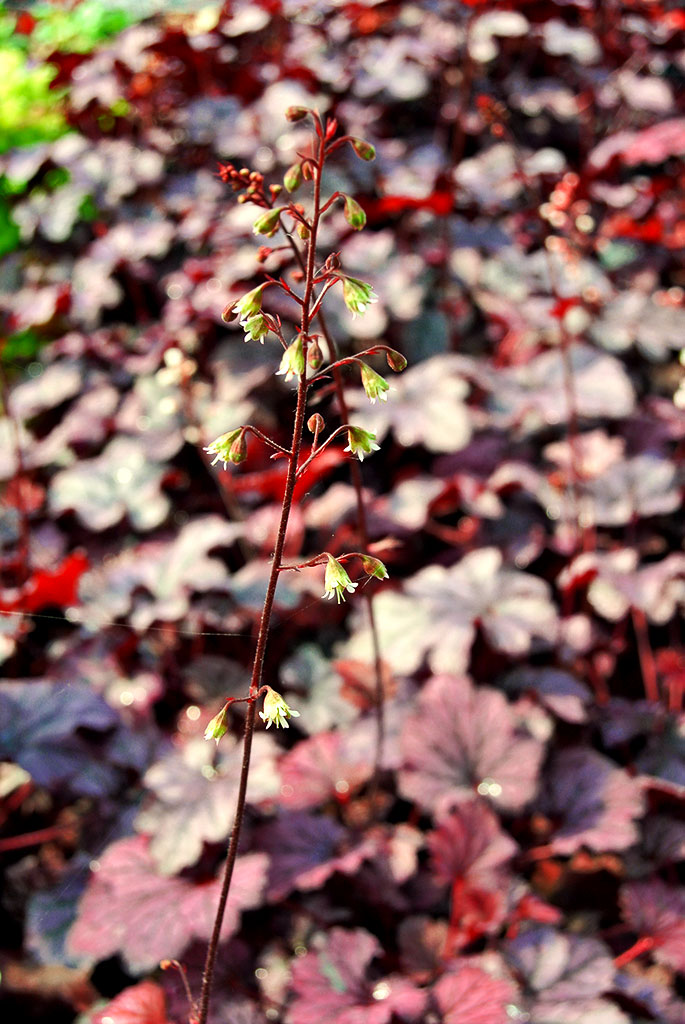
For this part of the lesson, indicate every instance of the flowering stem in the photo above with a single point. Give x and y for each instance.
(262, 636)
(362, 523)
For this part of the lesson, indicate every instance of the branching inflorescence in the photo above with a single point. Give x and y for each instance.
(302, 359)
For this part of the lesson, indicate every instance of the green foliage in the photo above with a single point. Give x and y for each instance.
(78, 29)
(31, 110)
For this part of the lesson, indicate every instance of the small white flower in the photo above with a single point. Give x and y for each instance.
(337, 581)
(361, 442)
(276, 710)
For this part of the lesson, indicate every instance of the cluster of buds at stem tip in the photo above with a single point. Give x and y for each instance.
(358, 295)
(374, 385)
(276, 711)
(292, 362)
(230, 447)
(361, 442)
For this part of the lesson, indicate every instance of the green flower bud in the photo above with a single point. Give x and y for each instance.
(374, 385)
(374, 567)
(293, 114)
(269, 222)
(292, 179)
(238, 450)
(396, 360)
(361, 442)
(217, 727)
(363, 149)
(354, 215)
(314, 353)
(292, 363)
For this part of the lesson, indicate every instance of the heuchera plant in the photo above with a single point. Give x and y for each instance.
(302, 360)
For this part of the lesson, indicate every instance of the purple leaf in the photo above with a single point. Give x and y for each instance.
(534, 393)
(656, 911)
(557, 967)
(194, 797)
(596, 803)
(164, 573)
(558, 691)
(41, 727)
(437, 614)
(444, 425)
(331, 986)
(121, 481)
(617, 584)
(129, 908)
(463, 739)
(305, 850)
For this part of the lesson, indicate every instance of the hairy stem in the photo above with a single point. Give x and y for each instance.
(262, 636)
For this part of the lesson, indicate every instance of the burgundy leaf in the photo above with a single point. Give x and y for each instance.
(463, 739)
(129, 908)
(321, 768)
(656, 911)
(140, 1004)
(468, 995)
(469, 844)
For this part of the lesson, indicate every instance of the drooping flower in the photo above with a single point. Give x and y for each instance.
(292, 362)
(374, 385)
(217, 727)
(337, 581)
(250, 304)
(276, 711)
(361, 442)
(358, 295)
(256, 328)
(229, 447)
